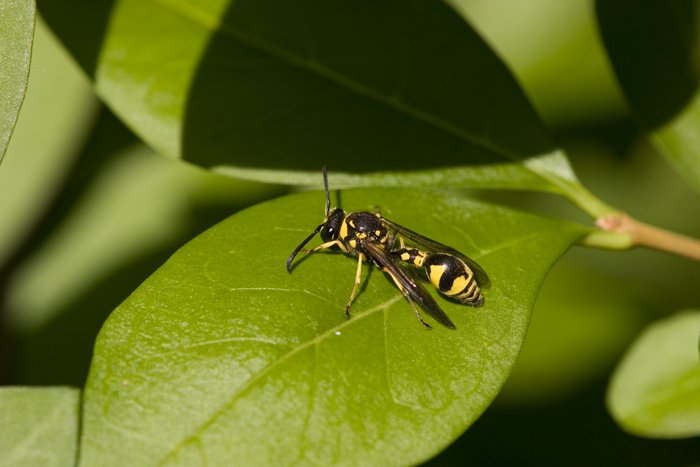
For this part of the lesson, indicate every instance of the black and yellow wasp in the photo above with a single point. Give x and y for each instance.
(372, 239)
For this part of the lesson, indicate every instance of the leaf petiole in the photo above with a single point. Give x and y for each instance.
(621, 232)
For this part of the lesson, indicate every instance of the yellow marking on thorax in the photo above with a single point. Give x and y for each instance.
(405, 257)
(352, 224)
(435, 272)
(361, 235)
(343, 230)
(377, 233)
(353, 243)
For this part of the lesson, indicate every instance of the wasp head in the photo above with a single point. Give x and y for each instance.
(331, 228)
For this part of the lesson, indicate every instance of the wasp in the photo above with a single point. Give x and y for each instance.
(372, 239)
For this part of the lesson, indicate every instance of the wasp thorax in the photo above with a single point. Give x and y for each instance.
(331, 228)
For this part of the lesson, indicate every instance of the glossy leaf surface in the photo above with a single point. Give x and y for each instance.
(655, 391)
(224, 358)
(17, 26)
(39, 426)
(249, 86)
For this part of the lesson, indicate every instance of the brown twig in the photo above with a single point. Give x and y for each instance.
(651, 237)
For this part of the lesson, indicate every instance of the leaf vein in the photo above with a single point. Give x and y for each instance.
(315, 67)
(235, 396)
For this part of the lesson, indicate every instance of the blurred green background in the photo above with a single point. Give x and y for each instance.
(89, 212)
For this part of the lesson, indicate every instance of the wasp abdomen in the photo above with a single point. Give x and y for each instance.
(452, 277)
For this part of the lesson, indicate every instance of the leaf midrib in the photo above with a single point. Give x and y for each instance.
(209, 22)
(295, 351)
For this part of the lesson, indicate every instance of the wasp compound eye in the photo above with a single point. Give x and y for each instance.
(332, 226)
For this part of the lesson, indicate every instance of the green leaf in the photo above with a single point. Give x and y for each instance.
(653, 48)
(222, 357)
(39, 426)
(60, 107)
(269, 91)
(655, 390)
(257, 85)
(549, 172)
(17, 26)
(678, 142)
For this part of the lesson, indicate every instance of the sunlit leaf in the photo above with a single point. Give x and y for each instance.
(39, 426)
(655, 391)
(222, 357)
(17, 26)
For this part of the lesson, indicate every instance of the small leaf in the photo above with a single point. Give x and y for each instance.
(655, 390)
(39, 426)
(653, 48)
(17, 26)
(678, 142)
(224, 358)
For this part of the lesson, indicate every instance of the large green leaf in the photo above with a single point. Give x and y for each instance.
(224, 358)
(655, 390)
(653, 47)
(288, 87)
(39, 426)
(17, 26)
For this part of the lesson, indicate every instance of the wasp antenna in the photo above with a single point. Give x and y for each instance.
(298, 249)
(328, 196)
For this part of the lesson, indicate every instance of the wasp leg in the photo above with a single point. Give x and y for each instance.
(358, 277)
(321, 247)
(403, 245)
(408, 297)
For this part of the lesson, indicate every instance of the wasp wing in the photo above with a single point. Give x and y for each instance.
(435, 247)
(409, 281)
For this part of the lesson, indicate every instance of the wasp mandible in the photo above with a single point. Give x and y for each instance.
(372, 238)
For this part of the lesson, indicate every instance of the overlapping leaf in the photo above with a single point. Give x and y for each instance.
(224, 358)
(272, 90)
(17, 26)
(653, 47)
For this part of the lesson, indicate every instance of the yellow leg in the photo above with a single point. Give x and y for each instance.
(321, 247)
(408, 297)
(358, 277)
(401, 241)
